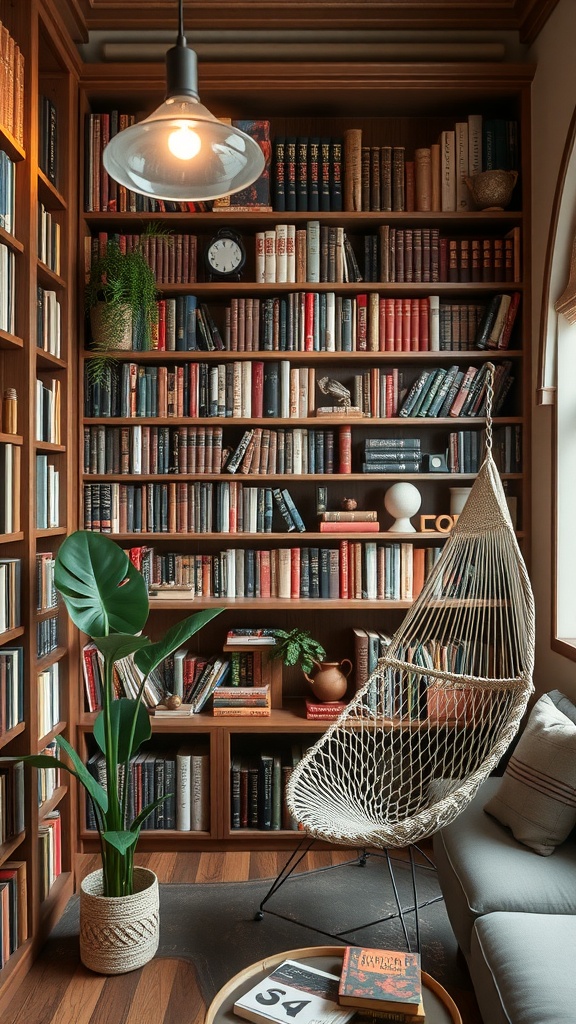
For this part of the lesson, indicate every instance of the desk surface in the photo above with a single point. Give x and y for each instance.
(439, 1006)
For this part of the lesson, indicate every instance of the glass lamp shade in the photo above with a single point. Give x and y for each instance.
(183, 152)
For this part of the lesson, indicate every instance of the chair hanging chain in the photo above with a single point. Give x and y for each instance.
(489, 398)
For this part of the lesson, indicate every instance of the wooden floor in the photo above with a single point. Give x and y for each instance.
(164, 991)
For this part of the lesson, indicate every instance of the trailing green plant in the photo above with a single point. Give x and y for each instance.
(106, 597)
(297, 647)
(125, 286)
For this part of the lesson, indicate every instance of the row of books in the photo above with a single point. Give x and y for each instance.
(235, 389)
(46, 596)
(284, 451)
(183, 779)
(46, 636)
(13, 908)
(10, 459)
(422, 255)
(466, 449)
(10, 593)
(48, 683)
(7, 290)
(12, 67)
(11, 687)
(454, 392)
(258, 788)
(142, 449)
(49, 241)
(362, 570)
(172, 257)
(7, 192)
(47, 494)
(287, 254)
(102, 193)
(200, 507)
(48, 407)
(48, 139)
(49, 322)
(50, 858)
(433, 178)
(306, 173)
(49, 778)
(12, 802)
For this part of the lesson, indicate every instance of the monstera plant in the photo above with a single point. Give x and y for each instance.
(106, 597)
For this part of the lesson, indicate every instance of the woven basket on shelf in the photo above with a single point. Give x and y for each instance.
(119, 934)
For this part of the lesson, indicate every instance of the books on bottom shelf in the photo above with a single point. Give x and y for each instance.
(294, 987)
(383, 980)
(258, 788)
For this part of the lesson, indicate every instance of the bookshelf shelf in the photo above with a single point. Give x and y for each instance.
(9, 635)
(321, 358)
(208, 290)
(11, 438)
(49, 805)
(50, 362)
(54, 531)
(57, 730)
(47, 613)
(10, 341)
(10, 145)
(49, 194)
(11, 734)
(259, 478)
(51, 658)
(49, 277)
(301, 421)
(10, 846)
(253, 220)
(48, 446)
(10, 240)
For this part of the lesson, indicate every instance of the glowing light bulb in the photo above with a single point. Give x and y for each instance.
(184, 143)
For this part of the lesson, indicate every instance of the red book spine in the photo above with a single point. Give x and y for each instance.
(345, 449)
(162, 325)
(415, 306)
(294, 573)
(309, 322)
(509, 322)
(389, 323)
(424, 325)
(398, 326)
(344, 570)
(406, 325)
(257, 389)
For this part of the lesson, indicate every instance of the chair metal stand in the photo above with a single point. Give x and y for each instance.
(361, 860)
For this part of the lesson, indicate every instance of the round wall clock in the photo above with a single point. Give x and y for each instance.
(225, 256)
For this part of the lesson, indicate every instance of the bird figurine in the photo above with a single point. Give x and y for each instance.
(329, 386)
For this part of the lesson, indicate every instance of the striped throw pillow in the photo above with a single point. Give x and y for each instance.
(536, 798)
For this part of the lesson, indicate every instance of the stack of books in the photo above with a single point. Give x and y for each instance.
(384, 983)
(252, 701)
(252, 637)
(349, 522)
(324, 711)
(392, 455)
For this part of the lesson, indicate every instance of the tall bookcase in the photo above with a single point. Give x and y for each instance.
(403, 105)
(50, 71)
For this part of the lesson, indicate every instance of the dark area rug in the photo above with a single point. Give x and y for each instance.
(214, 926)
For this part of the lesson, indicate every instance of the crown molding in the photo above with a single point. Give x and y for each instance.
(524, 16)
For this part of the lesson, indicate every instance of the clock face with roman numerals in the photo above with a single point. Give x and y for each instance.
(225, 256)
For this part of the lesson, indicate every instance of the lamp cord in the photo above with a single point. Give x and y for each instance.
(181, 37)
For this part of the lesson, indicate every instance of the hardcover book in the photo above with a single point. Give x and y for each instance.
(294, 986)
(381, 978)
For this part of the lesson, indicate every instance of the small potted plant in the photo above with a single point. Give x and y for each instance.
(297, 647)
(120, 298)
(106, 598)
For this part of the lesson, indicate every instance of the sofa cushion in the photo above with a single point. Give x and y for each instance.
(482, 868)
(537, 794)
(522, 966)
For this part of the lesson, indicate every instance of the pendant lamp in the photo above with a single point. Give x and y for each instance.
(181, 151)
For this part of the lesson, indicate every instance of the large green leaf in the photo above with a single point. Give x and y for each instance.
(120, 645)
(102, 590)
(121, 717)
(121, 841)
(149, 658)
(97, 792)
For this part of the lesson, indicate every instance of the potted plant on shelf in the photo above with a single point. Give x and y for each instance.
(120, 298)
(297, 647)
(106, 598)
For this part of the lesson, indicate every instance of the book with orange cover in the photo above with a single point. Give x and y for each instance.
(381, 978)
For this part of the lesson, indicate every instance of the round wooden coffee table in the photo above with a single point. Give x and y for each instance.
(440, 1008)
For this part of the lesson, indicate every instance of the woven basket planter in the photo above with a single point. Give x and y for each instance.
(119, 934)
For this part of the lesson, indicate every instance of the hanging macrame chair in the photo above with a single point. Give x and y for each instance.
(441, 708)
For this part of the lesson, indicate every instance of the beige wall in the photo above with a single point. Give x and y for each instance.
(553, 102)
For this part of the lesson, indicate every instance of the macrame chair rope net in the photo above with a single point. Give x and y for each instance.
(441, 708)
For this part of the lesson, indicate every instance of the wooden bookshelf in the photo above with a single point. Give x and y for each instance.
(51, 68)
(409, 104)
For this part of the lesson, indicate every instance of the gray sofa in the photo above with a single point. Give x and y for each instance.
(514, 916)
